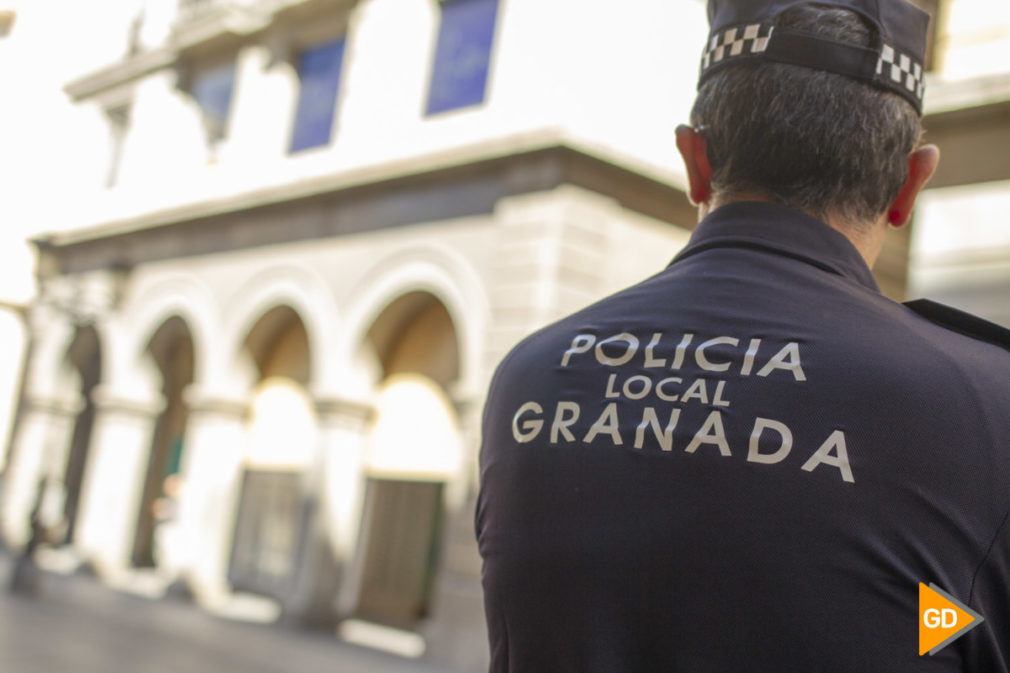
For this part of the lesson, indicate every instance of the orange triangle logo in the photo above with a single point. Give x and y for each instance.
(942, 619)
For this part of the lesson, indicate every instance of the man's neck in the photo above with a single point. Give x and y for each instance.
(867, 238)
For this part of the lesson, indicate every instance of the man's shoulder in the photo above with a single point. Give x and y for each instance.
(541, 345)
(602, 314)
(961, 322)
(961, 349)
(545, 348)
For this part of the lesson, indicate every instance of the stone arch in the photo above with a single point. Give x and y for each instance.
(446, 277)
(278, 344)
(82, 364)
(181, 297)
(411, 351)
(414, 335)
(49, 453)
(171, 356)
(302, 292)
(280, 459)
(51, 377)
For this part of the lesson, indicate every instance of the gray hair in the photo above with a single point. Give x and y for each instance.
(811, 140)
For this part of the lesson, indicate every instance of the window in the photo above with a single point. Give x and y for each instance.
(462, 54)
(212, 89)
(319, 76)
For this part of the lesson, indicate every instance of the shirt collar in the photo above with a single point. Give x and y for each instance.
(780, 230)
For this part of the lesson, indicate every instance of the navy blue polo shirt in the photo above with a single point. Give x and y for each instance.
(747, 462)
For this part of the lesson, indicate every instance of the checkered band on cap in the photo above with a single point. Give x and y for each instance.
(737, 41)
(896, 71)
(902, 71)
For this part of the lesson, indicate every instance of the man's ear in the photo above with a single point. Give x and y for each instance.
(699, 172)
(921, 165)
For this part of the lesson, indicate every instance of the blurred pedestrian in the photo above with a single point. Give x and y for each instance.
(25, 579)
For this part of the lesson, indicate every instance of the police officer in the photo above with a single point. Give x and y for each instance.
(750, 461)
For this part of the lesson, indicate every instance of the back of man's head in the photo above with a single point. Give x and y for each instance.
(812, 140)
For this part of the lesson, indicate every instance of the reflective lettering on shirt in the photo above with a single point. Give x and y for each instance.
(530, 428)
(661, 391)
(637, 387)
(650, 360)
(651, 420)
(748, 357)
(705, 363)
(607, 424)
(611, 392)
(580, 344)
(640, 386)
(565, 415)
(632, 347)
(717, 400)
(789, 359)
(839, 459)
(697, 391)
(626, 348)
(528, 425)
(754, 454)
(711, 432)
(678, 355)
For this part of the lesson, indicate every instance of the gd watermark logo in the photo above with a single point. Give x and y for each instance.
(942, 619)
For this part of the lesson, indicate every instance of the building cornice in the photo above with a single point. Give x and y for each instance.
(418, 190)
(443, 162)
(124, 72)
(363, 201)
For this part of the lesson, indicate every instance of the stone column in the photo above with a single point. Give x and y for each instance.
(343, 426)
(552, 256)
(114, 478)
(215, 443)
(456, 631)
(333, 493)
(40, 450)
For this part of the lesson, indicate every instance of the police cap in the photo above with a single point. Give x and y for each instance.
(744, 30)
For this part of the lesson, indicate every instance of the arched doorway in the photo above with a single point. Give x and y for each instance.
(272, 518)
(171, 349)
(414, 450)
(84, 359)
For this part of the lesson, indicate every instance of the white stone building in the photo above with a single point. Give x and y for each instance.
(287, 242)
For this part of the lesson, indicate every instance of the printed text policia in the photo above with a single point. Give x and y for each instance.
(621, 349)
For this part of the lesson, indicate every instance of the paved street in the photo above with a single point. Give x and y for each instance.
(78, 625)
